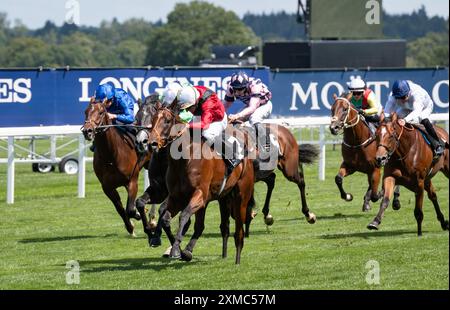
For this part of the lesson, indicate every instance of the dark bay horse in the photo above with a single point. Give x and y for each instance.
(116, 162)
(358, 150)
(195, 181)
(290, 160)
(408, 161)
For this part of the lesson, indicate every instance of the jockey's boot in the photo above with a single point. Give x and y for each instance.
(437, 144)
(230, 157)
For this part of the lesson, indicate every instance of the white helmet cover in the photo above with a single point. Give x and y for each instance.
(170, 93)
(356, 85)
(188, 97)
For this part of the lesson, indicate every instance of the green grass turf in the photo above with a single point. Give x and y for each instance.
(48, 226)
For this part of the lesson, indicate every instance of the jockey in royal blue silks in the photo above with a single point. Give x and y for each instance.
(119, 105)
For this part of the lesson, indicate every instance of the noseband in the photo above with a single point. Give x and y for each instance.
(344, 122)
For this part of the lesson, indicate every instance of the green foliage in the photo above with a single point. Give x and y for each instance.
(190, 32)
(28, 52)
(428, 51)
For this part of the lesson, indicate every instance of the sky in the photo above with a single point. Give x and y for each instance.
(34, 13)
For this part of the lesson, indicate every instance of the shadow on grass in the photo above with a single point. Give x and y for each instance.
(64, 238)
(340, 216)
(128, 264)
(370, 234)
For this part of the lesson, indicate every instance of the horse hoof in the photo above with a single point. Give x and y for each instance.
(186, 255)
(133, 235)
(373, 226)
(366, 208)
(155, 242)
(175, 253)
(268, 220)
(445, 225)
(396, 205)
(349, 197)
(167, 252)
(312, 218)
(253, 214)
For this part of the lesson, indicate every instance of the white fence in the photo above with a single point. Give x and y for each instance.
(17, 132)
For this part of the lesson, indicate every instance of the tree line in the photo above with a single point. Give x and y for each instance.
(187, 36)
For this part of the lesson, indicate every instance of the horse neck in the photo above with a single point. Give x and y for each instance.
(406, 146)
(358, 133)
(108, 141)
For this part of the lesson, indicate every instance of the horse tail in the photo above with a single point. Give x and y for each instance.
(307, 153)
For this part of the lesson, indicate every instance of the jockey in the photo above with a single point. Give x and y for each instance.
(201, 102)
(413, 105)
(254, 94)
(119, 105)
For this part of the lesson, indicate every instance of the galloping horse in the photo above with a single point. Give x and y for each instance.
(290, 160)
(358, 150)
(194, 182)
(408, 161)
(116, 162)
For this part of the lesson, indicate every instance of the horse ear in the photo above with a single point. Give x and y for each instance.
(92, 100)
(334, 97)
(158, 105)
(382, 117)
(394, 117)
(174, 105)
(139, 102)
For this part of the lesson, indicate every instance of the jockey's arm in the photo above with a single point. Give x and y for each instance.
(415, 115)
(250, 109)
(127, 116)
(227, 104)
(389, 106)
(374, 106)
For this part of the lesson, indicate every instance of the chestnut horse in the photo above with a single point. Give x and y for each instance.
(116, 162)
(408, 161)
(195, 181)
(358, 150)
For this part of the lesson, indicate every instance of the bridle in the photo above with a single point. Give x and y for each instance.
(344, 117)
(397, 142)
(97, 127)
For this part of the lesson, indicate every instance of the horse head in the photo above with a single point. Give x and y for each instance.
(343, 113)
(166, 126)
(95, 117)
(144, 121)
(387, 138)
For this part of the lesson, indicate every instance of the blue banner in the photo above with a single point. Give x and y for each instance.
(59, 97)
(310, 93)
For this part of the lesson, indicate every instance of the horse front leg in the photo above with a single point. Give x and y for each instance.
(372, 194)
(196, 203)
(132, 189)
(114, 196)
(199, 226)
(140, 206)
(344, 171)
(389, 183)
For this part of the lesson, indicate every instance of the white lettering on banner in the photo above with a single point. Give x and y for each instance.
(376, 87)
(85, 96)
(11, 90)
(135, 89)
(24, 90)
(146, 86)
(324, 93)
(435, 94)
(115, 82)
(297, 90)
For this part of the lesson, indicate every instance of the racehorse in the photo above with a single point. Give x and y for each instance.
(116, 162)
(408, 161)
(195, 181)
(358, 150)
(289, 160)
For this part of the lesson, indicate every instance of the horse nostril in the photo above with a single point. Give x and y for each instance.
(154, 144)
(145, 141)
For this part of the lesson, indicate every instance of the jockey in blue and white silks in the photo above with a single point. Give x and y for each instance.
(119, 105)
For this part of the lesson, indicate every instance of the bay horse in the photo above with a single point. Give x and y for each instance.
(358, 150)
(116, 162)
(290, 160)
(195, 181)
(408, 161)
